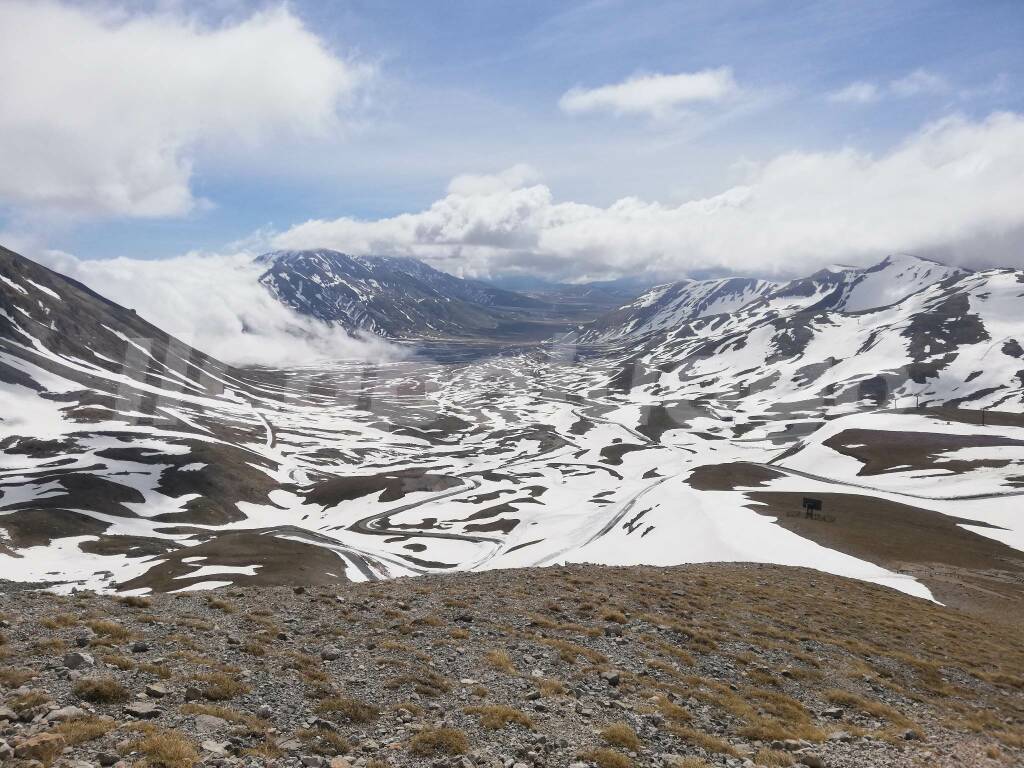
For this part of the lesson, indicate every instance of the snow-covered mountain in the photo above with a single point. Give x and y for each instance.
(130, 461)
(903, 328)
(852, 289)
(841, 289)
(392, 297)
(105, 417)
(665, 307)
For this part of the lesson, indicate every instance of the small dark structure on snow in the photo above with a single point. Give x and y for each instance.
(811, 505)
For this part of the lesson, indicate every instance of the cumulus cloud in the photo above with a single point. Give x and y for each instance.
(103, 113)
(654, 94)
(856, 93)
(214, 302)
(949, 183)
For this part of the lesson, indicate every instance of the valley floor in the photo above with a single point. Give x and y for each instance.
(356, 472)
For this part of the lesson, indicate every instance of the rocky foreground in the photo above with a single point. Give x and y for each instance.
(580, 666)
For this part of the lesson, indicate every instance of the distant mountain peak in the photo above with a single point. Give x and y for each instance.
(837, 288)
(392, 296)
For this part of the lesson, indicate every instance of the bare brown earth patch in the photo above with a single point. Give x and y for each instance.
(884, 451)
(969, 416)
(612, 454)
(962, 568)
(38, 527)
(730, 476)
(280, 561)
(391, 486)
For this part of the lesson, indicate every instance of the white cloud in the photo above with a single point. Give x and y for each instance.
(856, 93)
(103, 113)
(953, 181)
(653, 94)
(482, 184)
(918, 82)
(215, 303)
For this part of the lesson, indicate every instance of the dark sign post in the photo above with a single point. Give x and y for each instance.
(811, 506)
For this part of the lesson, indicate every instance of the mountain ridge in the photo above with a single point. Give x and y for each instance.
(843, 289)
(395, 297)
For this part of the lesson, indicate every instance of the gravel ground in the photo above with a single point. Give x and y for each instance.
(680, 667)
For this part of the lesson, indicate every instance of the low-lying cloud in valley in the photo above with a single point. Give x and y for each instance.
(214, 302)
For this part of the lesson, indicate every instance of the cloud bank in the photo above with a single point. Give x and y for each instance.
(954, 182)
(652, 94)
(102, 113)
(215, 303)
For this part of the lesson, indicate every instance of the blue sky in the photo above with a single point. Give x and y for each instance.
(421, 93)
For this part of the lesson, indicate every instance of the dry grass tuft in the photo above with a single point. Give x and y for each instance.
(324, 742)
(425, 682)
(220, 686)
(673, 712)
(15, 677)
(621, 735)
(254, 648)
(439, 741)
(876, 708)
(157, 670)
(27, 701)
(50, 645)
(497, 716)
(161, 748)
(135, 601)
(501, 661)
(606, 758)
(222, 605)
(267, 750)
(109, 630)
(704, 740)
(773, 758)
(353, 710)
(100, 690)
(116, 660)
(614, 615)
(569, 651)
(85, 729)
(548, 686)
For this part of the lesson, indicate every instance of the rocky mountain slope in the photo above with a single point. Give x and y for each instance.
(689, 667)
(401, 297)
(106, 420)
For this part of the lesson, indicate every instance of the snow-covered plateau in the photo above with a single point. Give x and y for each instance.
(687, 426)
